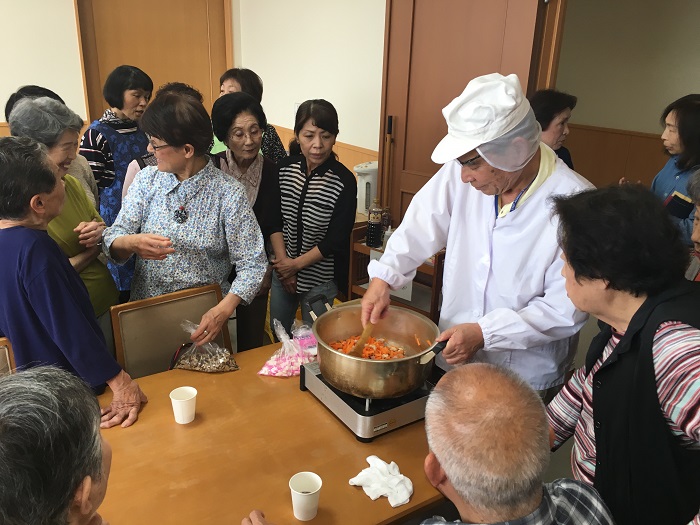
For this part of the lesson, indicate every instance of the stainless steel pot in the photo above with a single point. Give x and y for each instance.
(376, 379)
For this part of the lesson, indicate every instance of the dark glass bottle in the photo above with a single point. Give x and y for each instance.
(386, 218)
(375, 231)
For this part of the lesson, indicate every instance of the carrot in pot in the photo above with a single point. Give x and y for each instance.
(375, 349)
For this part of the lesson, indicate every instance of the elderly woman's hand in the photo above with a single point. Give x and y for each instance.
(90, 233)
(126, 402)
(286, 267)
(213, 321)
(150, 246)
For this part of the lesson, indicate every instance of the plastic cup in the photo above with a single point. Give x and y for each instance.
(184, 400)
(306, 488)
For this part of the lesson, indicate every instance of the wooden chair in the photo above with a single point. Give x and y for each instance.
(147, 332)
(7, 358)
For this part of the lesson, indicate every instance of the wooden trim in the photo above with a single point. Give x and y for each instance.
(349, 154)
(358, 149)
(615, 131)
(82, 60)
(91, 67)
(549, 30)
(165, 298)
(5, 128)
(228, 32)
(604, 155)
(385, 145)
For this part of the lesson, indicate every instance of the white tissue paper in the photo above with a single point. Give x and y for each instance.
(381, 479)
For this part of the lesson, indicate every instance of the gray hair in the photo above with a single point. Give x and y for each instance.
(43, 119)
(489, 431)
(694, 187)
(49, 442)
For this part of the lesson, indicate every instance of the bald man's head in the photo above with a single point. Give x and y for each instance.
(488, 430)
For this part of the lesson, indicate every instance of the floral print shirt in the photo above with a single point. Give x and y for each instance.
(220, 231)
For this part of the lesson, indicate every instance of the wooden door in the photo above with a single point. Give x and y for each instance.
(549, 29)
(171, 40)
(432, 49)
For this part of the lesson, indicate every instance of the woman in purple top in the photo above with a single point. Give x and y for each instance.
(45, 308)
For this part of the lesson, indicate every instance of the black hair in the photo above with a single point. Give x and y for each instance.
(548, 103)
(122, 79)
(622, 235)
(687, 112)
(29, 91)
(249, 81)
(321, 113)
(24, 173)
(228, 107)
(182, 88)
(177, 120)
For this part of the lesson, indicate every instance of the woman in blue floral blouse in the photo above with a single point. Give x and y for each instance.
(187, 222)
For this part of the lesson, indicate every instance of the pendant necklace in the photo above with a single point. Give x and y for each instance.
(181, 215)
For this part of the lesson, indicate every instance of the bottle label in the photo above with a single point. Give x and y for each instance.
(375, 216)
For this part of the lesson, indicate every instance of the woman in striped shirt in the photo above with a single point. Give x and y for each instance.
(312, 225)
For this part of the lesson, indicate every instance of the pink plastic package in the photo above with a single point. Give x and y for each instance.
(287, 361)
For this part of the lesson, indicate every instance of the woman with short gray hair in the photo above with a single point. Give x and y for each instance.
(79, 168)
(78, 229)
(53, 463)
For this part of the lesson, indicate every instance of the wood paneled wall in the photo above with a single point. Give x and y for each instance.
(5, 129)
(603, 155)
(348, 154)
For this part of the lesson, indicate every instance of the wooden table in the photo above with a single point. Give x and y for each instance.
(250, 435)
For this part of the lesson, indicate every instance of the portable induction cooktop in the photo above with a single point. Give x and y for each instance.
(368, 418)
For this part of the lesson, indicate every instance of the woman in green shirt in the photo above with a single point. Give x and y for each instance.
(78, 228)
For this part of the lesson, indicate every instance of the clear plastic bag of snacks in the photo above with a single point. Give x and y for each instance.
(302, 334)
(286, 361)
(209, 357)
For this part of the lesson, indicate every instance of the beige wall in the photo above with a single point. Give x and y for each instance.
(627, 59)
(340, 61)
(40, 40)
(308, 49)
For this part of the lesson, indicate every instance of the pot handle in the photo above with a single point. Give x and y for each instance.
(320, 298)
(439, 347)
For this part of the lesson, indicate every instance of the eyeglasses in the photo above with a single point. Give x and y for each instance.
(468, 162)
(239, 134)
(157, 147)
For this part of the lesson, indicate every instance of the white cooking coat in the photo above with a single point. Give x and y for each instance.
(504, 274)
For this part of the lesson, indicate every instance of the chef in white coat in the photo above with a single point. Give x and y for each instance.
(504, 300)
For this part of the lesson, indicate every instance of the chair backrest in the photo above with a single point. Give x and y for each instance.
(147, 332)
(7, 358)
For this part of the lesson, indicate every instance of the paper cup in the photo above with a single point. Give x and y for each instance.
(306, 488)
(184, 400)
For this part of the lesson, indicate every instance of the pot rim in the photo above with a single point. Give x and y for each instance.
(326, 346)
